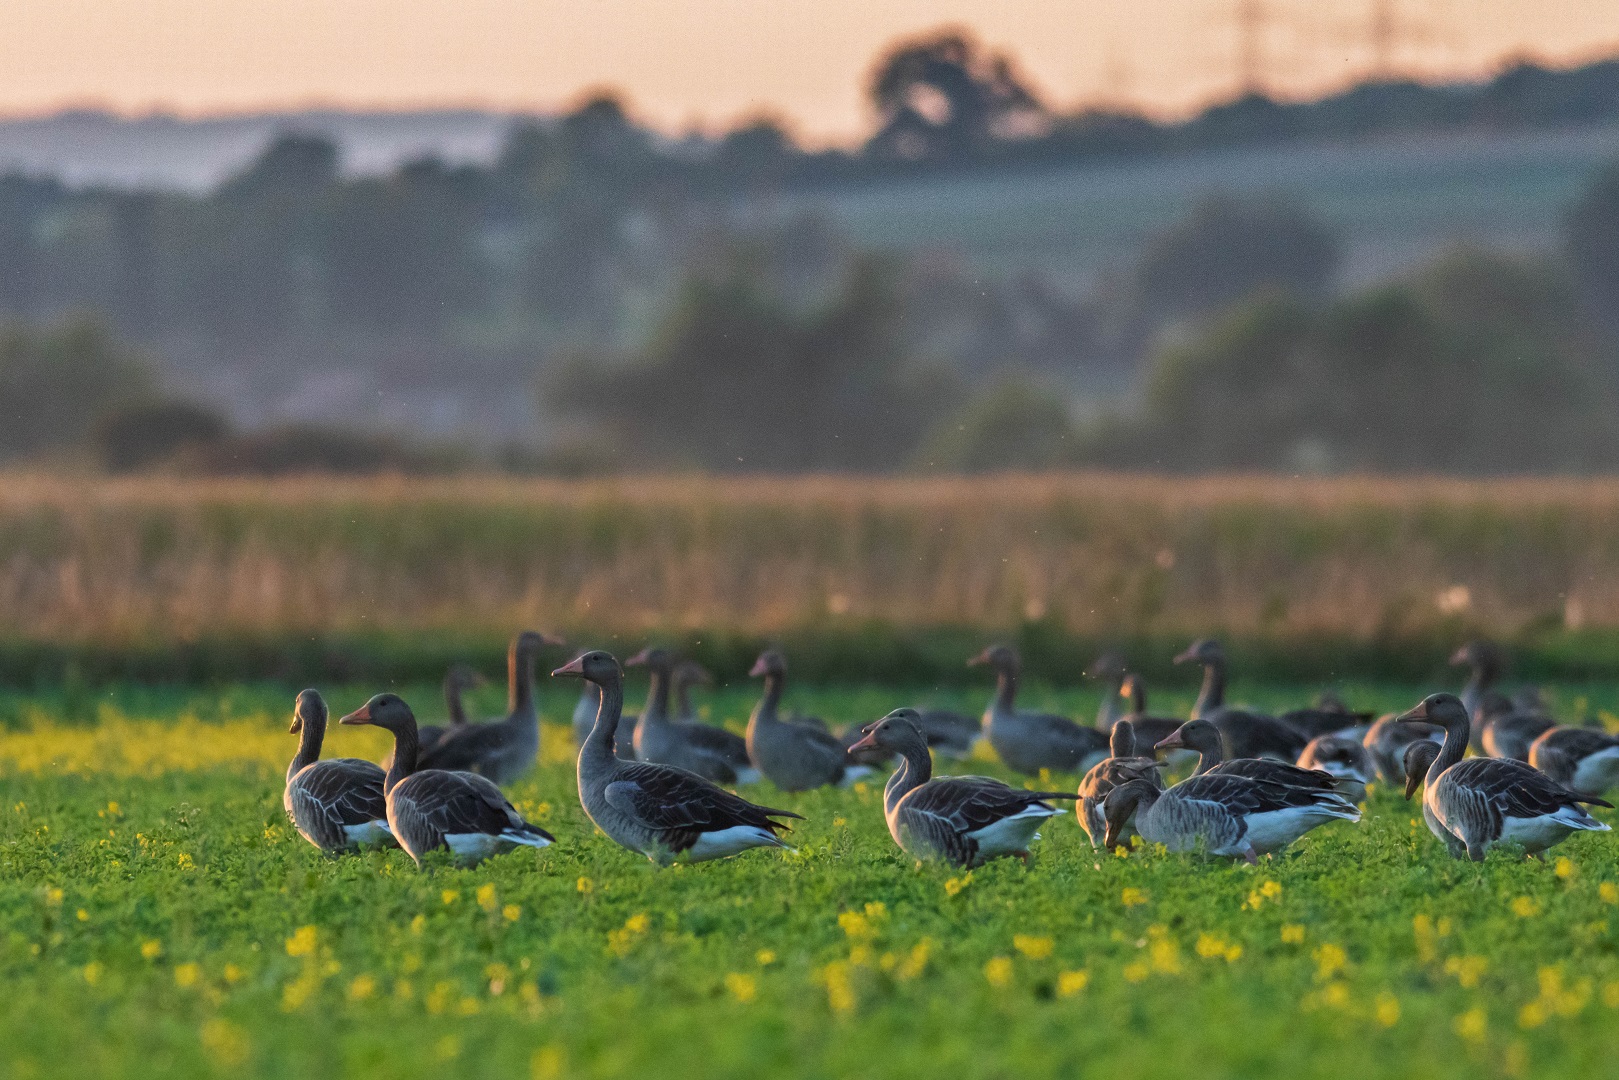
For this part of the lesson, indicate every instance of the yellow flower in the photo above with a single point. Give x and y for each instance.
(999, 972)
(1329, 961)
(1135, 972)
(92, 973)
(856, 925)
(1467, 969)
(53, 897)
(1532, 1015)
(1610, 995)
(916, 963)
(187, 974)
(1213, 947)
(418, 924)
(447, 1048)
(225, 1042)
(302, 941)
(1525, 907)
(1165, 957)
(450, 896)
(585, 886)
(1565, 867)
(1292, 934)
(954, 886)
(620, 942)
(511, 913)
(1035, 948)
(546, 1064)
(1609, 892)
(765, 957)
(1133, 897)
(362, 987)
(84, 916)
(1070, 983)
(233, 974)
(151, 950)
(486, 897)
(742, 987)
(1472, 1024)
(1386, 1009)
(840, 993)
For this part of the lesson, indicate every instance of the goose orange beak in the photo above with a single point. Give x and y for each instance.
(1172, 741)
(576, 666)
(362, 715)
(1186, 657)
(1418, 713)
(980, 660)
(867, 743)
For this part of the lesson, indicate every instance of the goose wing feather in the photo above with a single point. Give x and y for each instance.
(1511, 788)
(457, 802)
(683, 805)
(464, 747)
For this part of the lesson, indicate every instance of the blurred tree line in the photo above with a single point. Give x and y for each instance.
(672, 323)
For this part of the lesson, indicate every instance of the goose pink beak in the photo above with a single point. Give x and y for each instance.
(576, 666)
(1172, 741)
(362, 715)
(759, 668)
(867, 743)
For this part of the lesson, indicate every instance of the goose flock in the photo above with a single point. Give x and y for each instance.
(661, 784)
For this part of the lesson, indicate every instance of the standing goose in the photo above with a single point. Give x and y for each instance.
(1110, 670)
(1247, 734)
(793, 756)
(1582, 759)
(664, 813)
(429, 809)
(1122, 766)
(1418, 759)
(710, 752)
(962, 820)
(1484, 662)
(1222, 814)
(337, 803)
(457, 681)
(687, 674)
(1029, 742)
(1505, 729)
(1343, 758)
(1478, 803)
(503, 750)
(584, 715)
(1204, 737)
(1328, 716)
(1388, 742)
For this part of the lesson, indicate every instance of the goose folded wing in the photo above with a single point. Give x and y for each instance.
(347, 790)
(1514, 789)
(1577, 743)
(456, 803)
(463, 747)
(970, 803)
(1278, 772)
(669, 799)
(1243, 795)
(713, 740)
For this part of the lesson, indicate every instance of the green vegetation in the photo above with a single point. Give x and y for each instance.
(158, 914)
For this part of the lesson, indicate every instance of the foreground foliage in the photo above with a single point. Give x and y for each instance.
(157, 914)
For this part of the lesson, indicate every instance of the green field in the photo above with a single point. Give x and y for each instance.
(158, 916)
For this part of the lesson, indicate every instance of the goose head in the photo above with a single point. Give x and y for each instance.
(999, 657)
(770, 662)
(1419, 756)
(387, 711)
(1134, 691)
(691, 673)
(900, 732)
(1199, 735)
(1327, 701)
(1122, 743)
(1120, 803)
(529, 642)
(310, 710)
(1110, 665)
(594, 666)
(1202, 651)
(461, 677)
(1484, 657)
(653, 658)
(1443, 710)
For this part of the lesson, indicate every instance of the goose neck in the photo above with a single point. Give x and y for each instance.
(1212, 694)
(453, 705)
(915, 769)
(598, 747)
(764, 713)
(520, 679)
(1455, 745)
(657, 696)
(1006, 688)
(310, 737)
(407, 746)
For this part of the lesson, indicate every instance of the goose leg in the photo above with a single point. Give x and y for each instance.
(1249, 856)
(1024, 855)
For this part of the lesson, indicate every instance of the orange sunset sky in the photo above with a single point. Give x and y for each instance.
(706, 62)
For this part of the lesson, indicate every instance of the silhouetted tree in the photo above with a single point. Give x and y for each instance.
(143, 434)
(944, 96)
(55, 381)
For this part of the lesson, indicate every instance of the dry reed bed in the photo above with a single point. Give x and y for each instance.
(113, 560)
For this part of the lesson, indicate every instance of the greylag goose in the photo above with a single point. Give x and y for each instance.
(1505, 730)
(1148, 730)
(687, 674)
(1480, 802)
(1389, 742)
(584, 716)
(1122, 766)
(337, 803)
(1247, 734)
(710, 752)
(503, 750)
(793, 756)
(1110, 670)
(1204, 737)
(1418, 759)
(1222, 814)
(962, 820)
(1344, 758)
(1484, 662)
(457, 681)
(664, 813)
(1328, 716)
(430, 809)
(1029, 742)
(1582, 759)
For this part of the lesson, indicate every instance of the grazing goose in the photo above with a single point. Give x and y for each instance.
(1029, 742)
(1478, 803)
(1328, 716)
(1485, 663)
(962, 820)
(1148, 730)
(429, 809)
(1204, 737)
(1121, 767)
(503, 750)
(1506, 731)
(1418, 759)
(793, 756)
(337, 803)
(457, 681)
(1344, 758)
(1582, 759)
(710, 752)
(1222, 814)
(687, 674)
(1110, 670)
(1388, 742)
(1247, 734)
(664, 813)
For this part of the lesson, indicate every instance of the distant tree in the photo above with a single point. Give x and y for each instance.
(1230, 248)
(144, 434)
(1591, 239)
(291, 165)
(56, 381)
(1012, 424)
(943, 96)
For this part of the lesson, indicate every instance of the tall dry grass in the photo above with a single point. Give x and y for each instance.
(166, 559)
